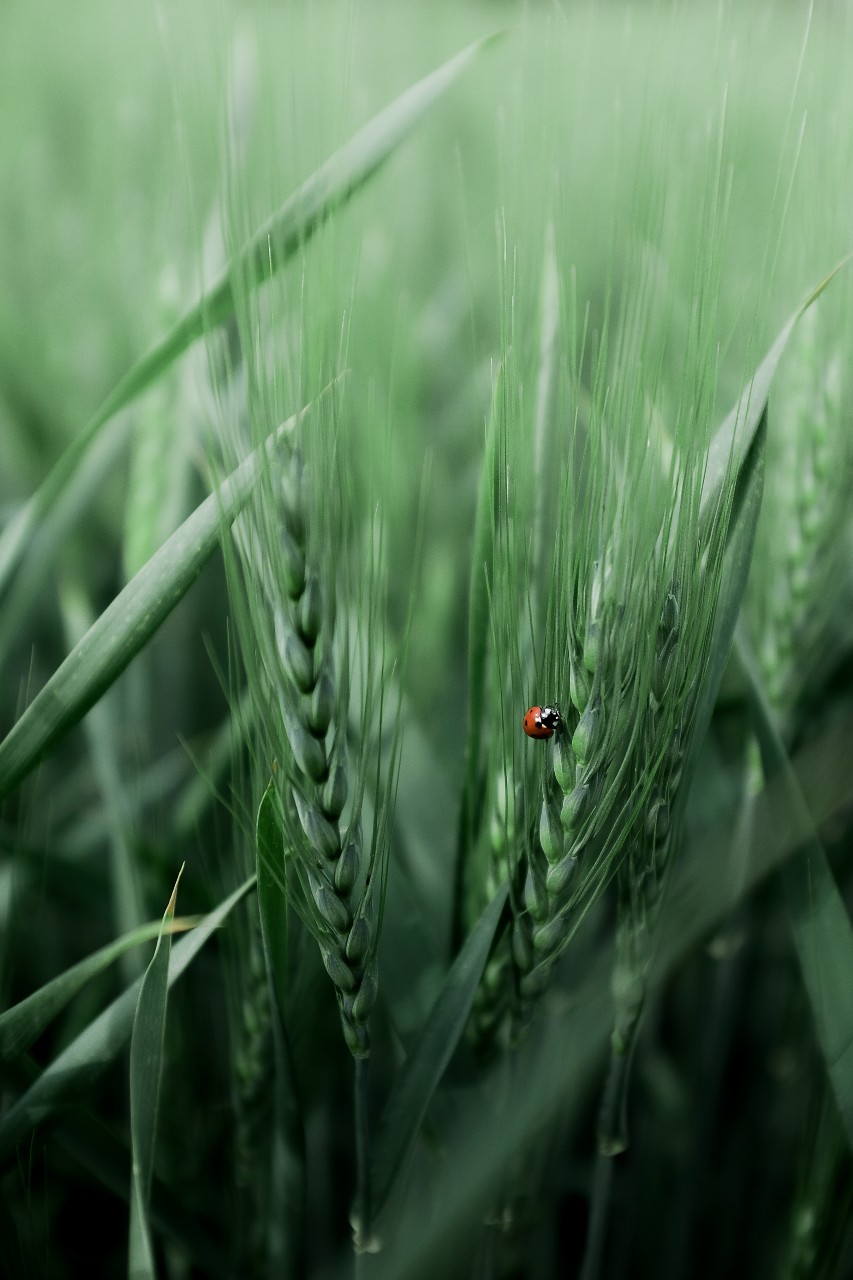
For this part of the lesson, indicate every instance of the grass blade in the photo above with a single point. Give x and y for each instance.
(146, 1061)
(25, 1021)
(734, 436)
(46, 537)
(821, 926)
(411, 1094)
(103, 729)
(737, 557)
(271, 246)
(127, 624)
(70, 1075)
(336, 180)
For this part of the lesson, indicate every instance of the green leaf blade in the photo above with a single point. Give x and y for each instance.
(342, 175)
(67, 1079)
(736, 561)
(272, 245)
(146, 1061)
(733, 439)
(25, 1021)
(410, 1096)
(821, 927)
(128, 623)
(26, 522)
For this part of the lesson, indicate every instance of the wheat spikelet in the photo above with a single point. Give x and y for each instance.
(493, 997)
(302, 666)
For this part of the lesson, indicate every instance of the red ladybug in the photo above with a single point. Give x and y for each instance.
(542, 722)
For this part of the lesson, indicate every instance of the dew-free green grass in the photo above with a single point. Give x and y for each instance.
(368, 375)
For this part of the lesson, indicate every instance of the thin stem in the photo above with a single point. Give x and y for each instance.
(612, 1139)
(286, 1239)
(363, 1208)
(500, 1222)
(613, 1115)
(594, 1253)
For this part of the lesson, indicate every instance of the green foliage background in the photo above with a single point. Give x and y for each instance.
(686, 174)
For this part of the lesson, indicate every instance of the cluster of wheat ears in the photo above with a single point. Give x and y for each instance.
(618, 570)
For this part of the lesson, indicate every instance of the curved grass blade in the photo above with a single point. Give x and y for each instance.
(271, 246)
(336, 180)
(39, 563)
(146, 1063)
(71, 1074)
(821, 926)
(25, 1021)
(741, 437)
(103, 727)
(735, 434)
(128, 623)
(737, 557)
(411, 1094)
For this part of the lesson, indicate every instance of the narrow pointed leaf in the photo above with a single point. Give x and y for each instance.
(104, 727)
(271, 246)
(25, 1021)
(734, 436)
(737, 558)
(821, 926)
(146, 1063)
(272, 902)
(420, 1077)
(49, 534)
(336, 180)
(71, 1074)
(128, 623)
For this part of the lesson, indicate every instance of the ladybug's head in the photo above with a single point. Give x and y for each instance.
(552, 718)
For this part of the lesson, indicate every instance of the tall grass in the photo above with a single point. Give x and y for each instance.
(350, 405)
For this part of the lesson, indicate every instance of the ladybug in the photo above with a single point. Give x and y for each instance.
(542, 722)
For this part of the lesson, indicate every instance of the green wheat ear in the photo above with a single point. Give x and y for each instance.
(313, 652)
(495, 853)
(623, 641)
(334, 878)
